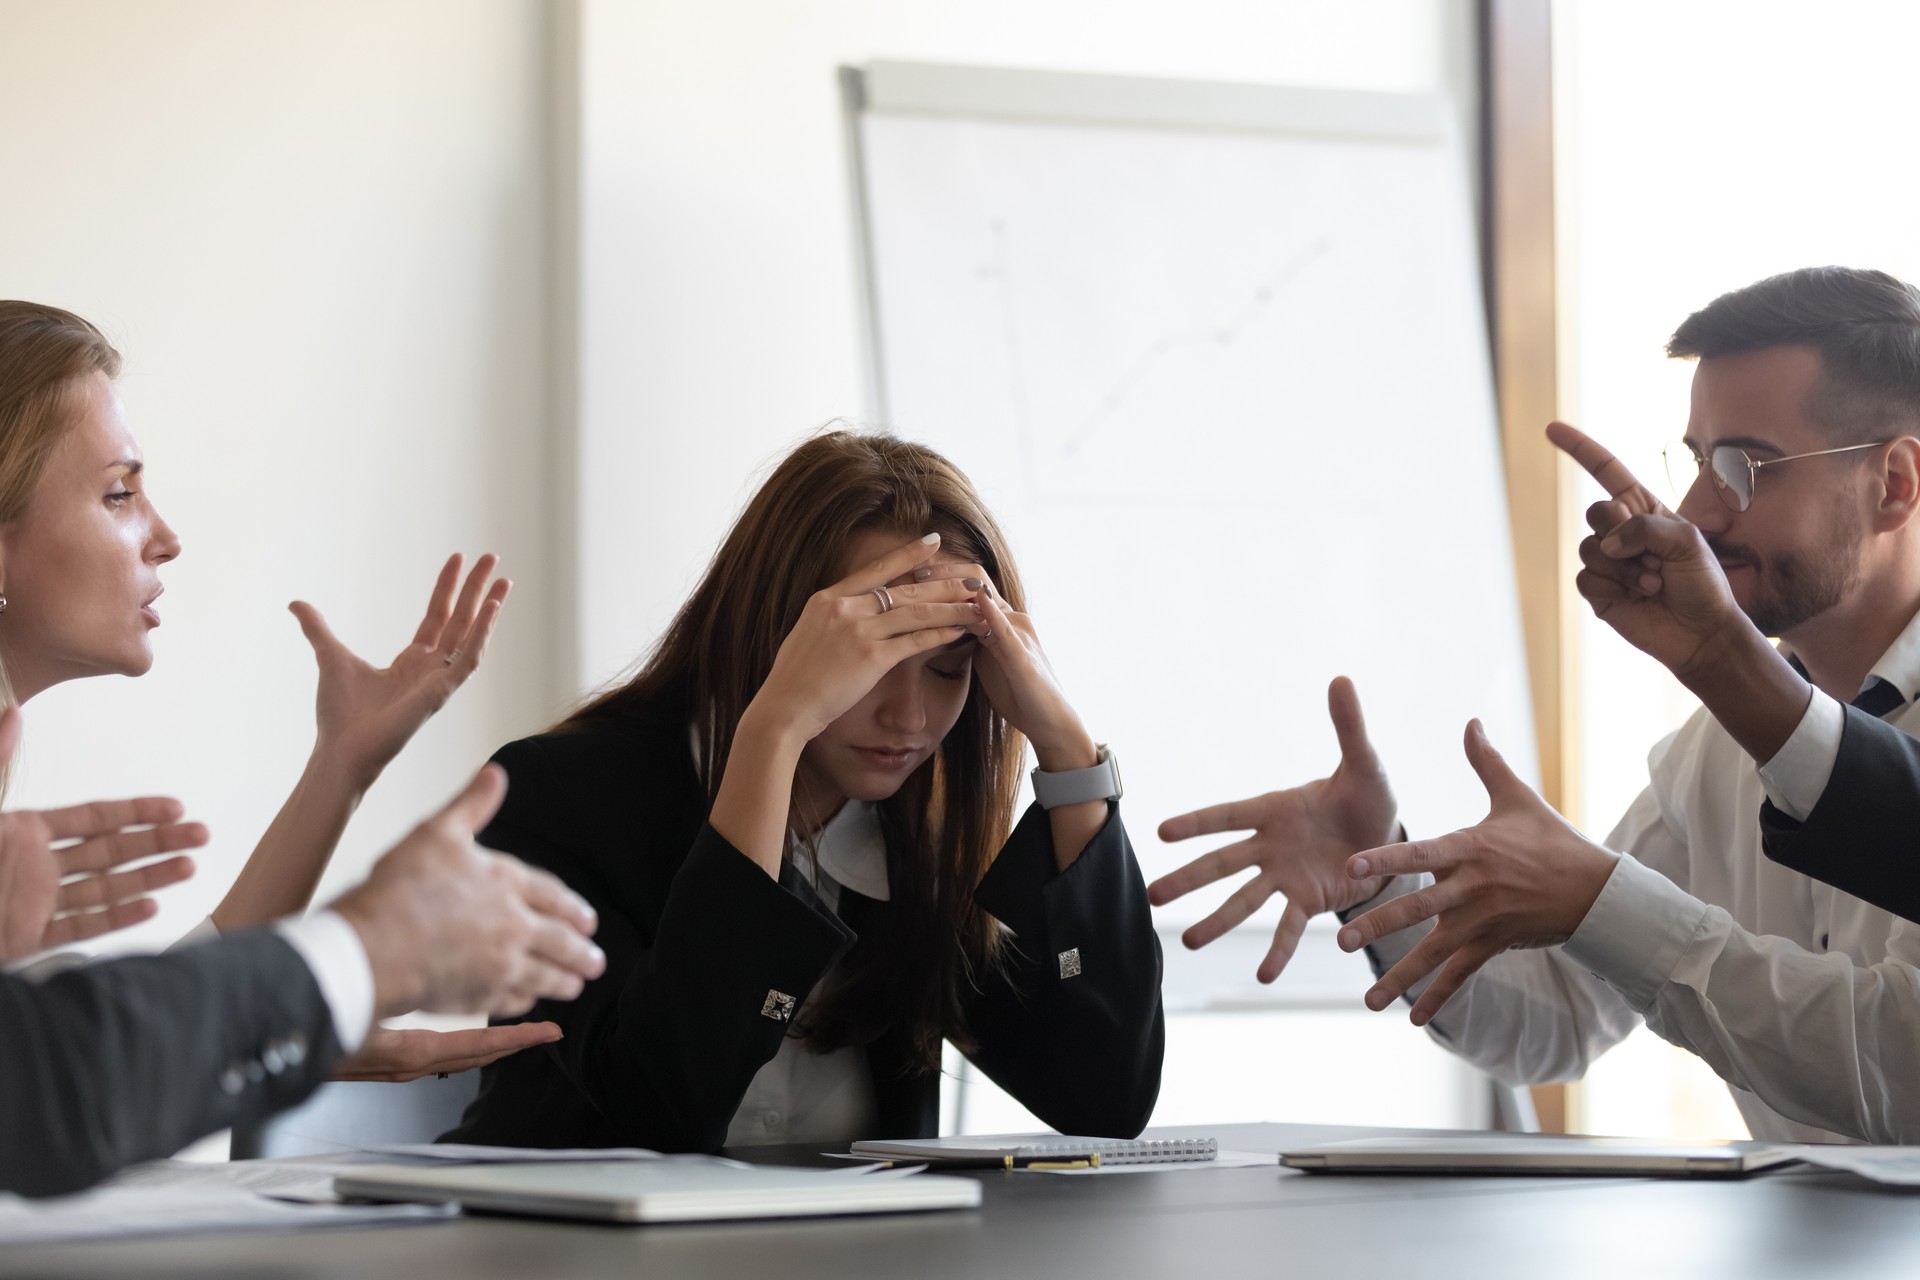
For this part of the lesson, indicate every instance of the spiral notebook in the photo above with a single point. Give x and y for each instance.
(1010, 1148)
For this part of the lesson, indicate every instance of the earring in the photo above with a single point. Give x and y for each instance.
(3, 604)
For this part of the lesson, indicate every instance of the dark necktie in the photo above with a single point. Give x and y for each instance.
(1877, 699)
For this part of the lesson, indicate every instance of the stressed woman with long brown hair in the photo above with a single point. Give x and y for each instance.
(797, 826)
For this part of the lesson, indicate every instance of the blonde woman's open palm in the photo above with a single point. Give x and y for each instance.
(367, 714)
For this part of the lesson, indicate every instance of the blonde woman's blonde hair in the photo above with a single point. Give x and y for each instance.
(46, 356)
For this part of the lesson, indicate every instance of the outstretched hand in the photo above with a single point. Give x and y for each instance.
(367, 714)
(398, 1055)
(1300, 844)
(56, 895)
(1648, 573)
(1523, 877)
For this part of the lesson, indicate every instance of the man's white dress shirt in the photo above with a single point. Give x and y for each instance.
(1804, 999)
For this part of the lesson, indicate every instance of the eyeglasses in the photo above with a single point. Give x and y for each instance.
(1734, 470)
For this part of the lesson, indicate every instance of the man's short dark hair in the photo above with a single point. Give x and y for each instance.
(1864, 324)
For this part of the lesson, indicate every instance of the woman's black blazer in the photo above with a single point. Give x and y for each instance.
(708, 959)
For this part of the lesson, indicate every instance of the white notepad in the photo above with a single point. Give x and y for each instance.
(1044, 1146)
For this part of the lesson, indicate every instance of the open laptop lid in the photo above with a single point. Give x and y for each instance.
(1539, 1156)
(669, 1190)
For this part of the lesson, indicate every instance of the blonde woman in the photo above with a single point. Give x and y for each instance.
(82, 546)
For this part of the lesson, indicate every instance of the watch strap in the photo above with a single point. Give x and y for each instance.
(1079, 786)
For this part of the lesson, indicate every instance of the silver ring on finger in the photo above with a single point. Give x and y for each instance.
(452, 656)
(885, 597)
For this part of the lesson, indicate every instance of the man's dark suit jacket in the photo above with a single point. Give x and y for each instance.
(702, 944)
(1861, 835)
(132, 1059)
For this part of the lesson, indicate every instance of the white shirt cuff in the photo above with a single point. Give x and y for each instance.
(1799, 771)
(1636, 932)
(335, 954)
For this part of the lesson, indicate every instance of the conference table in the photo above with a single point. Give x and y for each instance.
(1226, 1222)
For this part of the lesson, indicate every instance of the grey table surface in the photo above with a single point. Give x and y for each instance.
(1215, 1222)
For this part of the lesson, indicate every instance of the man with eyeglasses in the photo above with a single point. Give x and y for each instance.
(1528, 948)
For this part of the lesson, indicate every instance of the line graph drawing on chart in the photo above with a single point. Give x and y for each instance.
(1239, 311)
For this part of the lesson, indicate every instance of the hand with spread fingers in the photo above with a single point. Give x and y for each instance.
(367, 714)
(1300, 844)
(65, 874)
(1523, 877)
(397, 1055)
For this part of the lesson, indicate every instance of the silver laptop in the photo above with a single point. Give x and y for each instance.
(1537, 1155)
(672, 1189)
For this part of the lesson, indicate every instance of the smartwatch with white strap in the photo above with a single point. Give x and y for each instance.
(1078, 786)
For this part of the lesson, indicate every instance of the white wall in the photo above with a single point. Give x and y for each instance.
(717, 275)
(315, 229)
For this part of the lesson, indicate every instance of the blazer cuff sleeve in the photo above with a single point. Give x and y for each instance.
(1060, 911)
(756, 947)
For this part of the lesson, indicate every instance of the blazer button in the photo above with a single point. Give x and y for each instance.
(294, 1048)
(255, 1073)
(272, 1060)
(232, 1080)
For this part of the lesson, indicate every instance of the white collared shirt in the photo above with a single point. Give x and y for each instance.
(1805, 999)
(801, 1095)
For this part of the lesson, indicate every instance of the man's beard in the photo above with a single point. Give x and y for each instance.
(1794, 587)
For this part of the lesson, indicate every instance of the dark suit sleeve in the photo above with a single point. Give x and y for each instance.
(1863, 836)
(131, 1059)
(666, 1043)
(1072, 1025)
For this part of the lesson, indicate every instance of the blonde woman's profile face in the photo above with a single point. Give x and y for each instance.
(80, 570)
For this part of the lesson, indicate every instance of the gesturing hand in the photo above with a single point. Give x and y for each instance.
(1523, 877)
(847, 639)
(450, 927)
(1648, 574)
(398, 1055)
(1301, 841)
(367, 714)
(55, 896)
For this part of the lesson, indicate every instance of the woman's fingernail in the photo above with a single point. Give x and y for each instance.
(975, 606)
(1611, 546)
(923, 572)
(1358, 868)
(971, 584)
(931, 539)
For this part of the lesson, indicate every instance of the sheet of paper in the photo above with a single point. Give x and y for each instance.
(1224, 1160)
(117, 1212)
(1894, 1166)
(309, 1182)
